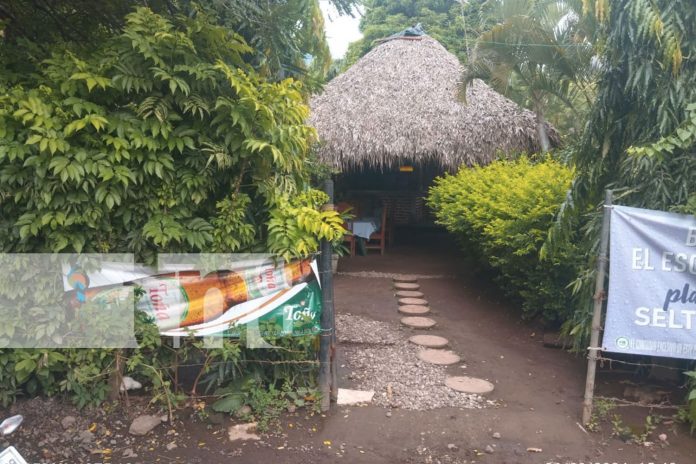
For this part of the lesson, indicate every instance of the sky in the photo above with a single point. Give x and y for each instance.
(340, 30)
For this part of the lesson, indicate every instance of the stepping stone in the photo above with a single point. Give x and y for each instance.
(413, 301)
(406, 278)
(409, 294)
(414, 310)
(469, 385)
(439, 357)
(417, 322)
(429, 341)
(406, 286)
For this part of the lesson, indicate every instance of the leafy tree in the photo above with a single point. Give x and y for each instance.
(441, 19)
(158, 137)
(639, 139)
(282, 33)
(161, 139)
(537, 50)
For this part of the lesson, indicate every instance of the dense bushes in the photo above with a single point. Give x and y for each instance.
(501, 213)
(161, 139)
(158, 138)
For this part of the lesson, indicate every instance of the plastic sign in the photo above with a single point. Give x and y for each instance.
(651, 307)
(405, 168)
(277, 298)
(11, 456)
(94, 300)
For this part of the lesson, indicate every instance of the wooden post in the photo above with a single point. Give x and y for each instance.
(597, 311)
(327, 372)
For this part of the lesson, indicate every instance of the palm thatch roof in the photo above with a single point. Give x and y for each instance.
(399, 103)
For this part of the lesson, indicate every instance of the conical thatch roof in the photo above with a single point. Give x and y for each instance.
(399, 103)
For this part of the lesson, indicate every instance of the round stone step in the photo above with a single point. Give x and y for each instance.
(439, 357)
(469, 385)
(413, 301)
(406, 279)
(409, 294)
(406, 286)
(418, 322)
(414, 310)
(429, 341)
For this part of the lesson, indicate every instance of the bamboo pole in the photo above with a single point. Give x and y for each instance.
(327, 337)
(597, 311)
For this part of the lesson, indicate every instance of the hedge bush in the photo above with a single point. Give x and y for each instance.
(157, 138)
(501, 213)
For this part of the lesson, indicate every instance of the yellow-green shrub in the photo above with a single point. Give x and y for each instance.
(502, 213)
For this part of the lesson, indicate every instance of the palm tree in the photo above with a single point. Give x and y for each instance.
(537, 47)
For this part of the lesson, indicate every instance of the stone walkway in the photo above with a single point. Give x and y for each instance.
(412, 303)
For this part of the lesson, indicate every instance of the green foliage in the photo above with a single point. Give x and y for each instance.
(281, 32)
(268, 380)
(538, 53)
(42, 21)
(682, 139)
(442, 19)
(81, 373)
(267, 402)
(161, 140)
(502, 211)
(645, 93)
(296, 224)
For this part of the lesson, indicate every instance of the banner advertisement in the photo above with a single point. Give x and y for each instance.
(91, 300)
(282, 299)
(651, 306)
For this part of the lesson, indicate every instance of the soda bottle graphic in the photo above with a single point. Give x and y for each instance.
(185, 299)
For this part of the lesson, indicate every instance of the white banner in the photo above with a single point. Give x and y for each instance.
(651, 307)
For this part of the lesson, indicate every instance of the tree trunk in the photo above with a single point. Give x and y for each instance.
(116, 378)
(541, 128)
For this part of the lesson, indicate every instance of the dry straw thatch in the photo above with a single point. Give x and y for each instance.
(399, 104)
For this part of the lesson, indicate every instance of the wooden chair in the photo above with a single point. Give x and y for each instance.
(378, 240)
(349, 238)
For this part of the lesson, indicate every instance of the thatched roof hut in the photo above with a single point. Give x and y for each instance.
(400, 103)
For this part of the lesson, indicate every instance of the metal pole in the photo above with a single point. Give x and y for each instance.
(327, 336)
(597, 311)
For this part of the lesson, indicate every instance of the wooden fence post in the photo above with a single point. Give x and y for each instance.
(599, 297)
(327, 358)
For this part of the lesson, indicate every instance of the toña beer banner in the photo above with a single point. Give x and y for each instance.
(651, 307)
(182, 298)
(54, 300)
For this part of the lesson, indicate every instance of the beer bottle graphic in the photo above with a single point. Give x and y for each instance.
(185, 298)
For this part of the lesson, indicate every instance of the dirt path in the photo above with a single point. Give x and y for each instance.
(539, 389)
(538, 393)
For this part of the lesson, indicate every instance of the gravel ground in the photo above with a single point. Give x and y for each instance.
(352, 329)
(380, 358)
